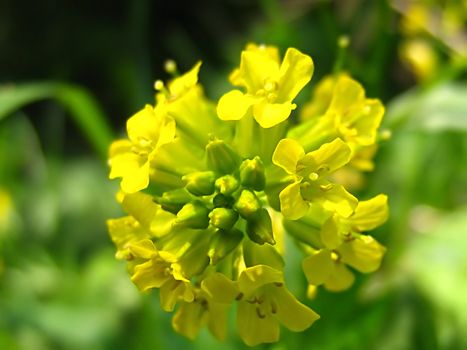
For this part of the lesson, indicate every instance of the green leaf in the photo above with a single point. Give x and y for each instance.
(441, 108)
(82, 107)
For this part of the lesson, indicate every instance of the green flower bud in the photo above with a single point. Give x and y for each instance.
(193, 215)
(259, 229)
(247, 204)
(173, 201)
(227, 184)
(222, 243)
(223, 218)
(200, 183)
(221, 157)
(252, 174)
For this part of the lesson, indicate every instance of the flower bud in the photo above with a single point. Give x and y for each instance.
(173, 201)
(200, 183)
(252, 174)
(247, 204)
(259, 228)
(222, 243)
(193, 215)
(227, 184)
(223, 218)
(221, 157)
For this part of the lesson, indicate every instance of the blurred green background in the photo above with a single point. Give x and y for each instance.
(72, 72)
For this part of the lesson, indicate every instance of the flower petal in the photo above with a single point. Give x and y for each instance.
(371, 213)
(256, 68)
(287, 154)
(328, 158)
(234, 105)
(189, 319)
(144, 125)
(330, 233)
(270, 114)
(290, 312)
(293, 207)
(219, 288)
(253, 329)
(257, 276)
(295, 72)
(363, 253)
(341, 278)
(179, 85)
(318, 267)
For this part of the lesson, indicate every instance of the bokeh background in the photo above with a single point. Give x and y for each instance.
(72, 72)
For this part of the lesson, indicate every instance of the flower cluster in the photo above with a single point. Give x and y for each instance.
(211, 192)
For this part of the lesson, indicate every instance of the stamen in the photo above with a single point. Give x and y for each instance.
(170, 67)
(258, 312)
(313, 176)
(278, 284)
(159, 85)
(273, 307)
(335, 256)
(239, 296)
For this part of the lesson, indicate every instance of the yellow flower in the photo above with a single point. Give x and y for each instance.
(263, 303)
(270, 86)
(207, 309)
(130, 159)
(309, 173)
(349, 115)
(420, 57)
(344, 245)
(123, 232)
(156, 272)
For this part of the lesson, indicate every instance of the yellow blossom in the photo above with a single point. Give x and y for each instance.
(130, 159)
(309, 173)
(270, 87)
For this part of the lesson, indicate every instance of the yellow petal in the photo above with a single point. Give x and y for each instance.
(124, 231)
(368, 121)
(336, 198)
(179, 85)
(142, 207)
(144, 249)
(363, 253)
(347, 93)
(234, 105)
(149, 275)
(318, 267)
(217, 322)
(143, 126)
(219, 288)
(340, 279)
(270, 114)
(293, 207)
(330, 233)
(253, 329)
(287, 154)
(295, 72)
(256, 68)
(119, 147)
(173, 291)
(371, 213)
(327, 159)
(290, 312)
(189, 319)
(257, 276)
(133, 169)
